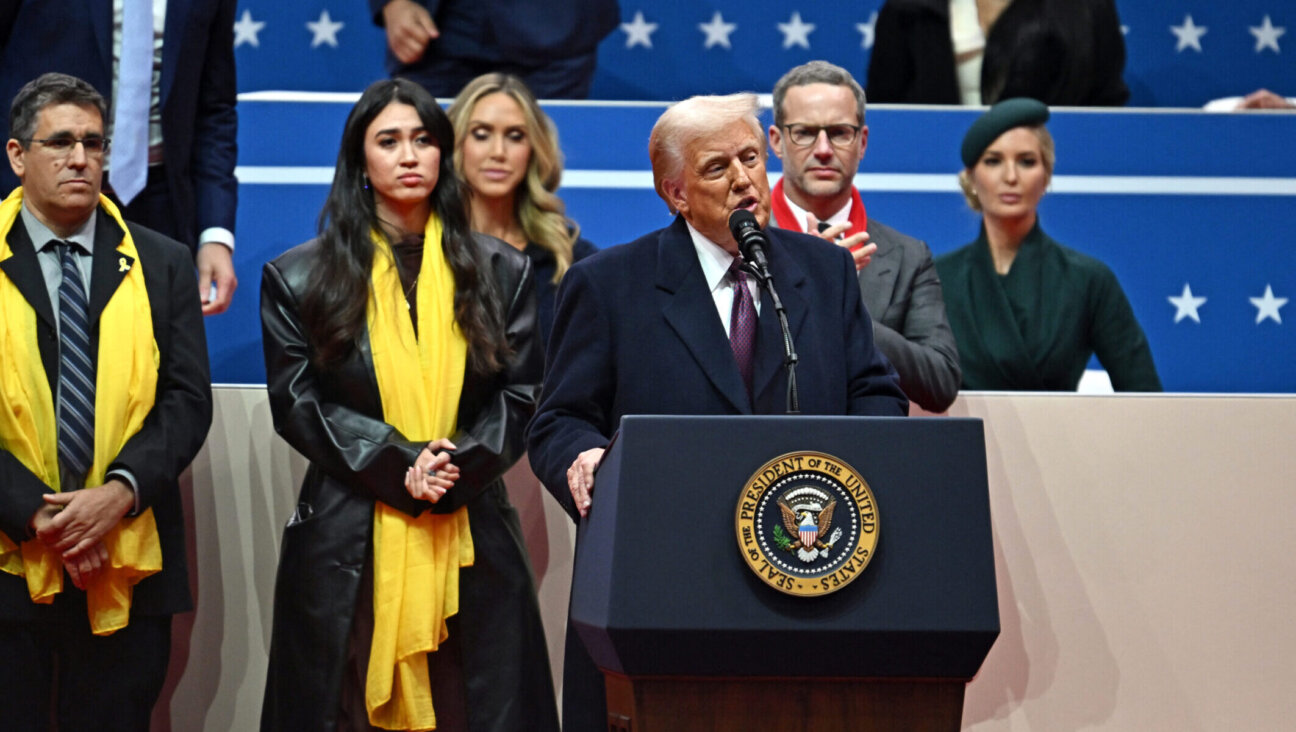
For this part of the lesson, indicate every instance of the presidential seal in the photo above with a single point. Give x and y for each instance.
(807, 523)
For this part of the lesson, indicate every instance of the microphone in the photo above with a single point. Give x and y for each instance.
(751, 241)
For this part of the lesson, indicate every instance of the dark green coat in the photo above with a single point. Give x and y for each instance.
(1035, 328)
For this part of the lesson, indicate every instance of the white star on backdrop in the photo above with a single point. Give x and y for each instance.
(1267, 306)
(717, 31)
(1189, 35)
(325, 30)
(638, 33)
(1267, 35)
(1187, 305)
(246, 30)
(866, 31)
(795, 32)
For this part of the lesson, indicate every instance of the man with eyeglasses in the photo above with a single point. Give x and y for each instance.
(820, 135)
(105, 397)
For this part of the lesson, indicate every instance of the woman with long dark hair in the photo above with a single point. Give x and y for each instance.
(401, 361)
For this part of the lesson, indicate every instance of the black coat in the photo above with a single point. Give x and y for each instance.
(335, 419)
(1061, 52)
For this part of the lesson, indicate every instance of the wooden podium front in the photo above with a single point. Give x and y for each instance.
(669, 704)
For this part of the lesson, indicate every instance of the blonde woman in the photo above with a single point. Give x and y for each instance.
(1027, 312)
(508, 155)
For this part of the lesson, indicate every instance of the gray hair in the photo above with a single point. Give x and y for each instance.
(816, 72)
(690, 119)
(47, 90)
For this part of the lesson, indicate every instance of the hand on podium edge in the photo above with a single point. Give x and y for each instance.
(580, 478)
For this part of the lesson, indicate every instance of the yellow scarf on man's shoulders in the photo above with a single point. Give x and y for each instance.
(416, 559)
(125, 386)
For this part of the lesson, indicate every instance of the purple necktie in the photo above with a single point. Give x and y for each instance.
(742, 323)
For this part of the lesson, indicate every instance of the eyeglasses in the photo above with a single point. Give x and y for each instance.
(94, 146)
(806, 135)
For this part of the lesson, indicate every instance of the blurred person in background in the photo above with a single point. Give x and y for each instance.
(444, 44)
(167, 67)
(1027, 312)
(1061, 52)
(508, 155)
(1258, 99)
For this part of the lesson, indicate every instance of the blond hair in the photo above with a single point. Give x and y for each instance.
(539, 210)
(1048, 154)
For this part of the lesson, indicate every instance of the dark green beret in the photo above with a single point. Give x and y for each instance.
(1010, 113)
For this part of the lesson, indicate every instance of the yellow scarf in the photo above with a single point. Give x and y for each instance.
(125, 385)
(416, 560)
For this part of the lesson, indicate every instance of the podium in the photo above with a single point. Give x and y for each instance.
(690, 638)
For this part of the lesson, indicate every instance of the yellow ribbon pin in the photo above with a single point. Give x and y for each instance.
(123, 265)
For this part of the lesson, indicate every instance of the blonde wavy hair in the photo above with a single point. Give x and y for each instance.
(538, 208)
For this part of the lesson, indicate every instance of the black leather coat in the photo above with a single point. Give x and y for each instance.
(335, 419)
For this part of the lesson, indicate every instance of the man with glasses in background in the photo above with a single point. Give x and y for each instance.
(820, 135)
(105, 398)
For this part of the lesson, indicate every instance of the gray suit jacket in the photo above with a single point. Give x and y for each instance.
(903, 295)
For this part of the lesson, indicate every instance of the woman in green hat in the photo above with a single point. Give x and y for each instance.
(1027, 312)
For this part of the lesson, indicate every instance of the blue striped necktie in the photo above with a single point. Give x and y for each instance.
(76, 369)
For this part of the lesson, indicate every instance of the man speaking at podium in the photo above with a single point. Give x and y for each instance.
(667, 324)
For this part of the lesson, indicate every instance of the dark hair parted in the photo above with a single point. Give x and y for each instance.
(48, 90)
(333, 310)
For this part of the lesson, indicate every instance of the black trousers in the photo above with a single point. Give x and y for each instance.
(90, 683)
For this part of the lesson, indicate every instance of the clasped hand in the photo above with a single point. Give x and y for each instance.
(74, 523)
(432, 473)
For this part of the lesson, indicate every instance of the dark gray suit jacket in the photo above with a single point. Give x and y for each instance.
(903, 295)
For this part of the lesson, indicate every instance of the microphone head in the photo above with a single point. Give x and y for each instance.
(742, 221)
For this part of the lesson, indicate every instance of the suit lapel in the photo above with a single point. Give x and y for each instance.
(878, 279)
(790, 280)
(690, 311)
(109, 266)
(23, 269)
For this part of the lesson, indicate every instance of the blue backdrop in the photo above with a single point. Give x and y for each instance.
(1180, 52)
(1170, 200)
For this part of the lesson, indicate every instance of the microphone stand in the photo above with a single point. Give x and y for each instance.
(760, 270)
